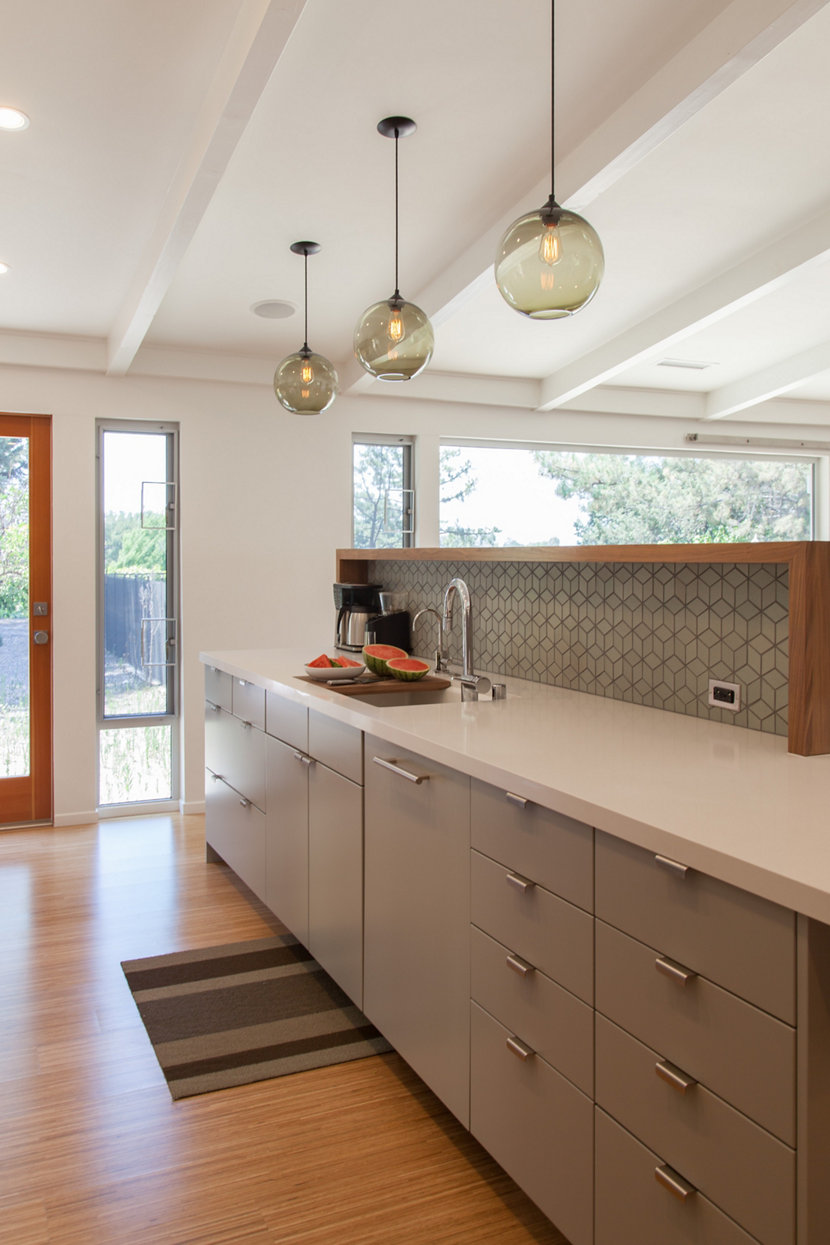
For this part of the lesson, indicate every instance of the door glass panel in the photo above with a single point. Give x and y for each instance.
(137, 633)
(15, 726)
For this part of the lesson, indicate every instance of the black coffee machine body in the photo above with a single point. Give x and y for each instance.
(355, 605)
(364, 617)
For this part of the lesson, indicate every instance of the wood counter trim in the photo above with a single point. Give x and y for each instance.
(809, 590)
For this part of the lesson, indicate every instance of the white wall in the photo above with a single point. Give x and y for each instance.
(265, 501)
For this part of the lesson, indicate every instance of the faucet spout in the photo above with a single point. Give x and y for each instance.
(471, 683)
(458, 586)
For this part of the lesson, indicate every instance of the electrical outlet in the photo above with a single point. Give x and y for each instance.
(724, 695)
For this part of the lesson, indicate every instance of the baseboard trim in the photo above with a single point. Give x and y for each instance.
(75, 819)
(188, 807)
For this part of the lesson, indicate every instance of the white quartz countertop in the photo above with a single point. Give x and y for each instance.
(725, 800)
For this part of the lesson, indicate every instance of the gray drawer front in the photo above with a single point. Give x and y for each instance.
(740, 1167)
(218, 687)
(554, 1022)
(740, 1053)
(633, 1209)
(552, 934)
(236, 831)
(554, 850)
(337, 745)
(286, 720)
(536, 1125)
(249, 702)
(744, 943)
(236, 752)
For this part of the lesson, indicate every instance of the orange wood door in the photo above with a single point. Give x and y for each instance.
(25, 618)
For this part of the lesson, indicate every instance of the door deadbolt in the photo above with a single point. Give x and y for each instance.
(41, 637)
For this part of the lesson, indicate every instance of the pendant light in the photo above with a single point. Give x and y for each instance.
(394, 339)
(550, 262)
(305, 383)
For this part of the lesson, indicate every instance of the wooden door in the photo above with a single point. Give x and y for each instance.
(25, 619)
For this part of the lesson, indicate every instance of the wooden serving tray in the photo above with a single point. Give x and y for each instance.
(377, 687)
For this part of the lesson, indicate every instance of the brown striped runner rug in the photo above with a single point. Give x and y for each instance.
(248, 1011)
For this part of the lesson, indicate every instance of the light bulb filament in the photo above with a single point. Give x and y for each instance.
(306, 372)
(395, 329)
(550, 246)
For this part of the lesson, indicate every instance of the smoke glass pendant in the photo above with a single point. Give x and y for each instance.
(394, 340)
(550, 263)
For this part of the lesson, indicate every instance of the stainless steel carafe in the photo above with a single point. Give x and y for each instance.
(356, 604)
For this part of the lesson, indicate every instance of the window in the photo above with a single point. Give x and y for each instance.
(502, 496)
(383, 499)
(138, 607)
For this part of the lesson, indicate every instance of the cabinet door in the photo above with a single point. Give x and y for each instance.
(335, 877)
(235, 829)
(416, 948)
(535, 1123)
(287, 836)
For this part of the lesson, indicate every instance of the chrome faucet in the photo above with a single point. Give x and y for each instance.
(471, 683)
(440, 652)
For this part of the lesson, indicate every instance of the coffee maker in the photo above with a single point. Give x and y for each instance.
(355, 605)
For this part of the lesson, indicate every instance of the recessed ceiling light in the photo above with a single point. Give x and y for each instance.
(273, 309)
(3, 268)
(694, 365)
(13, 119)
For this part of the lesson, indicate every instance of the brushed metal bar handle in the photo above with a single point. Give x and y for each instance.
(671, 1180)
(400, 771)
(519, 1049)
(674, 1076)
(672, 866)
(677, 972)
(302, 758)
(519, 800)
(522, 884)
(519, 965)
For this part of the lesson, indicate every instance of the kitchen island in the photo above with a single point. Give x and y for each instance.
(527, 865)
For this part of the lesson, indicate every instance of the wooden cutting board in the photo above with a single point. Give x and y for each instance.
(429, 683)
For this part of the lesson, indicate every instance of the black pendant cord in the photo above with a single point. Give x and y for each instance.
(397, 293)
(552, 99)
(305, 338)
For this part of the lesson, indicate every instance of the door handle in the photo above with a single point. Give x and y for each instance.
(41, 637)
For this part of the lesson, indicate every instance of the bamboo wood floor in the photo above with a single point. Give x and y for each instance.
(92, 1149)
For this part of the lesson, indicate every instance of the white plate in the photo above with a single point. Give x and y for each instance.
(323, 674)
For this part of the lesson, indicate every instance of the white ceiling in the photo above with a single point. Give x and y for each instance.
(178, 147)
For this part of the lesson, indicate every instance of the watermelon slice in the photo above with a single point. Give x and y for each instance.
(377, 655)
(320, 662)
(407, 668)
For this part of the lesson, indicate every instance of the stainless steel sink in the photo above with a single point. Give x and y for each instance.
(388, 700)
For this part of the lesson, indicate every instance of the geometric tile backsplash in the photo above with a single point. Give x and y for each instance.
(650, 634)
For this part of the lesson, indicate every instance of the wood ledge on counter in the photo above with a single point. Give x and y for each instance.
(809, 572)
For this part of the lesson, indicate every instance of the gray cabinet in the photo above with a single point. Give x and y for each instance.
(532, 989)
(235, 789)
(696, 1058)
(287, 851)
(315, 837)
(416, 931)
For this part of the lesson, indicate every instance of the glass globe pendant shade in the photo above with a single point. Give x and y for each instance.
(549, 263)
(305, 383)
(393, 339)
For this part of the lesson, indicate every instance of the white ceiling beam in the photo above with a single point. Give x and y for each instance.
(780, 378)
(754, 278)
(740, 36)
(259, 38)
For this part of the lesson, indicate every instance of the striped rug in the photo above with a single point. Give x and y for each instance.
(248, 1011)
